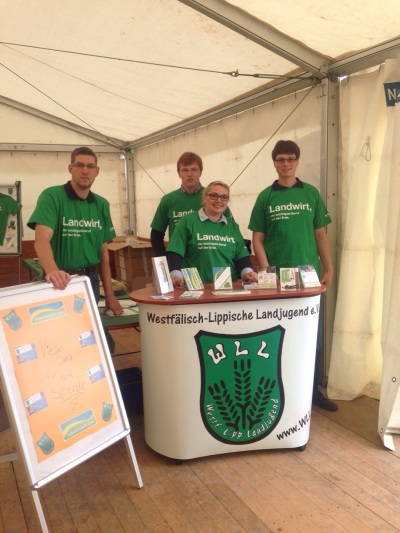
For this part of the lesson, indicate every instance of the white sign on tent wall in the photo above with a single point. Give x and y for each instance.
(10, 218)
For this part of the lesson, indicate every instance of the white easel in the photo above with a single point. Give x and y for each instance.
(27, 325)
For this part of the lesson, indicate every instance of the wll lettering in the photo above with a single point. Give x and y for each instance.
(217, 353)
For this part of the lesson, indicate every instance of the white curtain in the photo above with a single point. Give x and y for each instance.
(389, 225)
(366, 325)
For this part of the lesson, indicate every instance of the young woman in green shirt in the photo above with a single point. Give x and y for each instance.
(207, 239)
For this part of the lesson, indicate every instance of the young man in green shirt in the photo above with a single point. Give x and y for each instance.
(288, 223)
(176, 204)
(72, 227)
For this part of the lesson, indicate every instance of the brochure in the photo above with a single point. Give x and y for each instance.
(162, 275)
(192, 278)
(308, 276)
(289, 279)
(222, 277)
(266, 277)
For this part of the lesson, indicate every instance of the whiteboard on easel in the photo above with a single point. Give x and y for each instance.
(10, 218)
(57, 376)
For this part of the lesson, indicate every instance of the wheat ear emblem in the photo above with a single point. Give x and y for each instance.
(242, 409)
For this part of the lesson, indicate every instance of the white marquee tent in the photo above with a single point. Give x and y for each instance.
(142, 81)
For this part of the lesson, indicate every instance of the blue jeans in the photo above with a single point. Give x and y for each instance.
(95, 283)
(319, 352)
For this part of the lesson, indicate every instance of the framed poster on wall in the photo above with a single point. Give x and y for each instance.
(10, 219)
(57, 376)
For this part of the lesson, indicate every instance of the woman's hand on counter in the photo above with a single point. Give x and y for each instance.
(251, 277)
(177, 281)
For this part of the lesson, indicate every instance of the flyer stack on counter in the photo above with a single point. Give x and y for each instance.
(231, 292)
(190, 295)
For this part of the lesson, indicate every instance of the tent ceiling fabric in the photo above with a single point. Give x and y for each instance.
(333, 29)
(126, 70)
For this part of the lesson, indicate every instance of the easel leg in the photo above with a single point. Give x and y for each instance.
(39, 511)
(9, 457)
(134, 464)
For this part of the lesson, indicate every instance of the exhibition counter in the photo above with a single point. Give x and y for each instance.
(227, 373)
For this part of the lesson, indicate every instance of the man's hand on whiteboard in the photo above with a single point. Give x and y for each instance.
(59, 278)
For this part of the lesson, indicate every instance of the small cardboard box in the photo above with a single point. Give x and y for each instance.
(132, 258)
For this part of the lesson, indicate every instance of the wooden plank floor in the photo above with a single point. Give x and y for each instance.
(345, 481)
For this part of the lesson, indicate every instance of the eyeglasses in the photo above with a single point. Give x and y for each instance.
(284, 159)
(215, 196)
(81, 166)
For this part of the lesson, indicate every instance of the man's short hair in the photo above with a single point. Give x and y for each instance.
(82, 150)
(286, 147)
(188, 158)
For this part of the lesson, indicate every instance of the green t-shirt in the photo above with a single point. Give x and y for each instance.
(80, 227)
(175, 205)
(288, 217)
(205, 244)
